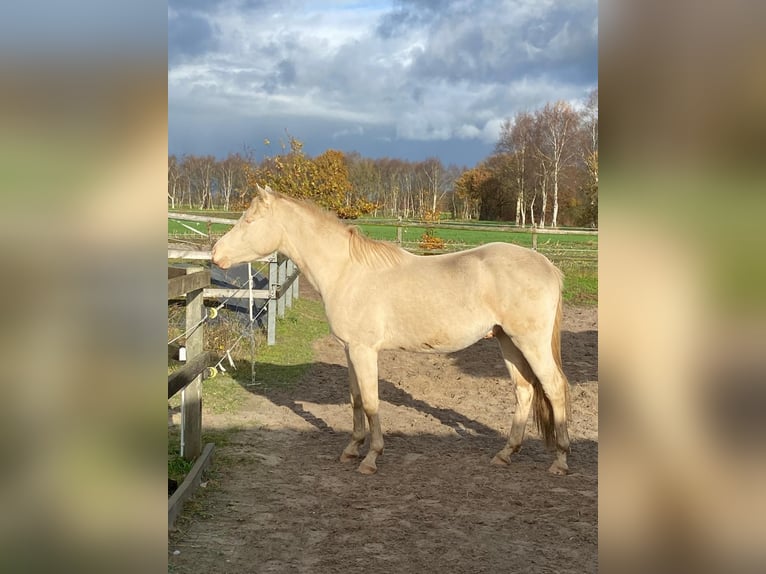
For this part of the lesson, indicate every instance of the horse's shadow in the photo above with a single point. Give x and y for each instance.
(327, 383)
(579, 356)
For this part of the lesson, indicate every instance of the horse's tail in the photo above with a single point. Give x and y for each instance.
(541, 404)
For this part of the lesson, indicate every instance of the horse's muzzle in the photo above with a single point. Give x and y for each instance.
(216, 258)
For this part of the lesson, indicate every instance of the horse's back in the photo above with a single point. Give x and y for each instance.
(446, 302)
(500, 260)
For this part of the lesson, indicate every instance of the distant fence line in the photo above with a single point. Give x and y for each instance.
(478, 226)
(559, 252)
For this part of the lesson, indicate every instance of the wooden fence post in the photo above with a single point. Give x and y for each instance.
(191, 395)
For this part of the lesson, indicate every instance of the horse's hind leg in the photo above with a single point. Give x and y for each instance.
(351, 452)
(521, 375)
(539, 355)
(365, 364)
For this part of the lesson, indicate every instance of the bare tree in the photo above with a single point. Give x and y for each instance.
(590, 157)
(230, 173)
(201, 171)
(434, 171)
(558, 125)
(174, 177)
(517, 139)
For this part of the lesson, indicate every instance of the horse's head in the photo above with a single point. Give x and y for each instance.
(255, 235)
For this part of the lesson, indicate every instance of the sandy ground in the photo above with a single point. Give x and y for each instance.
(283, 503)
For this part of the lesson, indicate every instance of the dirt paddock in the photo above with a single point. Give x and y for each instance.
(283, 502)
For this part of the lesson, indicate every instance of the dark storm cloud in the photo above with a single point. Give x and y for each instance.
(189, 35)
(372, 74)
(283, 76)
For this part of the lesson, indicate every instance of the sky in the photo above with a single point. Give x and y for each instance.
(408, 80)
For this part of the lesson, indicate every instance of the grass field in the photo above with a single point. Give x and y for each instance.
(576, 255)
(388, 232)
(470, 237)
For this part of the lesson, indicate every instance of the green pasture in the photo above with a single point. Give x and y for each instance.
(410, 234)
(473, 237)
(576, 255)
(176, 227)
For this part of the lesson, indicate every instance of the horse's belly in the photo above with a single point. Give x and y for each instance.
(437, 341)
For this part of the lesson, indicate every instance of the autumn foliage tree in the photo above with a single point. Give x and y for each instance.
(324, 180)
(468, 191)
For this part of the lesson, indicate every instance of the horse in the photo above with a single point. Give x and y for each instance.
(378, 296)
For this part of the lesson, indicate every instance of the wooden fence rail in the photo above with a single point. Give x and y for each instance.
(190, 282)
(478, 227)
(283, 285)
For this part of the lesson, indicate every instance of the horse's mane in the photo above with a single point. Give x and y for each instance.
(362, 249)
(371, 252)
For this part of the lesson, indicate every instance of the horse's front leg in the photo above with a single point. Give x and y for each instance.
(364, 362)
(351, 452)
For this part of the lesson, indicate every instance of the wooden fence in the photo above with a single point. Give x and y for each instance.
(190, 282)
(283, 286)
(582, 253)
(283, 280)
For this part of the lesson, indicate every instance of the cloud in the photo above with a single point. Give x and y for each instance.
(421, 71)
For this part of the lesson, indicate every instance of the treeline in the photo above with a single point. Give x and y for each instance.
(350, 184)
(544, 171)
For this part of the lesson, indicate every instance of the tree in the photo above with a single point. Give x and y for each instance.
(559, 126)
(438, 183)
(230, 174)
(323, 179)
(365, 178)
(200, 171)
(174, 180)
(517, 139)
(590, 124)
(468, 189)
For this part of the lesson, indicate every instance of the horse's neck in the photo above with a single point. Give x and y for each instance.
(318, 248)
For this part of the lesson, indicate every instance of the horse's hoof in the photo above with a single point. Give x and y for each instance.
(497, 460)
(367, 469)
(348, 457)
(558, 469)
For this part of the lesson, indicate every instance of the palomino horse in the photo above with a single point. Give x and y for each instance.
(378, 296)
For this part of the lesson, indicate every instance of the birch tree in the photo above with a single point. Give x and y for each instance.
(558, 128)
(517, 140)
(174, 176)
(229, 172)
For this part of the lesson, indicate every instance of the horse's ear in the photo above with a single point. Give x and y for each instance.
(262, 195)
(265, 193)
